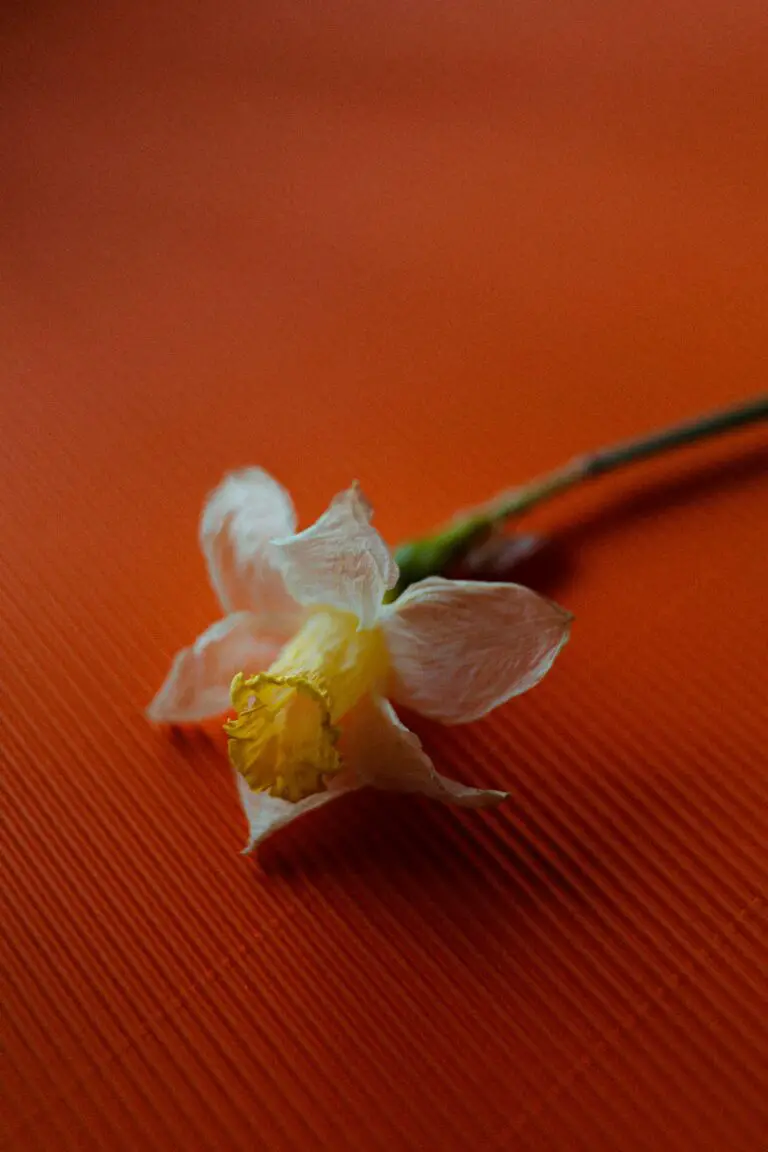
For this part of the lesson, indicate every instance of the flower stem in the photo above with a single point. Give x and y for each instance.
(431, 555)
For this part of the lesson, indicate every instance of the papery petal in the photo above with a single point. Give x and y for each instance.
(460, 648)
(340, 561)
(240, 517)
(267, 814)
(381, 751)
(197, 686)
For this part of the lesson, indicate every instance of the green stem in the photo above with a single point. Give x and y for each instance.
(434, 553)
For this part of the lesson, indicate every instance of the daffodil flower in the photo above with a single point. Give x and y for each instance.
(309, 654)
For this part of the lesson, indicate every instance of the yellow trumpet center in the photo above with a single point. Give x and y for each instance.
(284, 738)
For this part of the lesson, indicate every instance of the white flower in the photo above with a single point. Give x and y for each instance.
(309, 654)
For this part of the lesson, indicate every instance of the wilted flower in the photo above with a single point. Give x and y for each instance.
(309, 654)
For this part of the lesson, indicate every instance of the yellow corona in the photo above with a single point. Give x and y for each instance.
(284, 739)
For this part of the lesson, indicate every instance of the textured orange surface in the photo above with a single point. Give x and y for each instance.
(440, 247)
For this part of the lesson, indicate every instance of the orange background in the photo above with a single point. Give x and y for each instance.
(439, 247)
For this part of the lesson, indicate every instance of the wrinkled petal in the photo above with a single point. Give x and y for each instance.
(460, 648)
(340, 561)
(197, 686)
(240, 517)
(267, 814)
(382, 752)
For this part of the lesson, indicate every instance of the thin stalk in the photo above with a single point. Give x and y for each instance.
(434, 553)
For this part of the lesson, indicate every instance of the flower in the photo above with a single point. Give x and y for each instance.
(309, 654)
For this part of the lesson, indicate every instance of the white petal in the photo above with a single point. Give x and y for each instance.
(382, 752)
(460, 648)
(197, 686)
(341, 561)
(267, 814)
(240, 517)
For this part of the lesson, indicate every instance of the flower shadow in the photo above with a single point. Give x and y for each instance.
(392, 842)
(469, 892)
(490, 885)
(411, 851)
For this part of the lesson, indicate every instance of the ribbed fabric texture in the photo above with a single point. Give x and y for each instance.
(440, 249)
